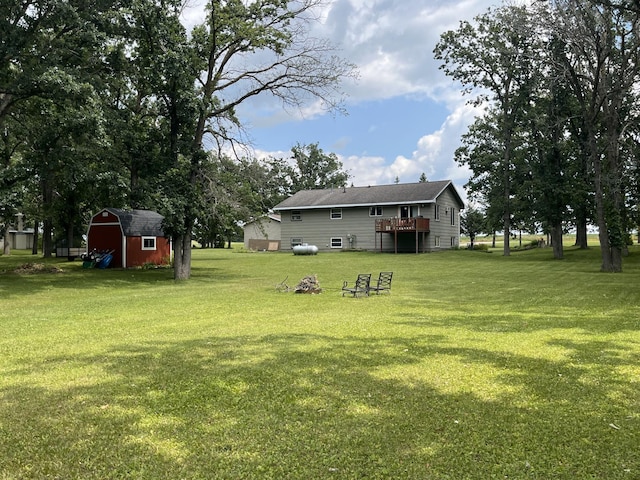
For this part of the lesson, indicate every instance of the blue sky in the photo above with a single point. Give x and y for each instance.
(385, 128)
(405, 117)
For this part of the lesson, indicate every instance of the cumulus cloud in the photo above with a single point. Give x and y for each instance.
(391, 42)
(435, 151)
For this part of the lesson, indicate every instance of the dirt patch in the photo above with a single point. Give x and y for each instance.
(30, 268)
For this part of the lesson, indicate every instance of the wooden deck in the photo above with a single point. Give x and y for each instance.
(402, 226)
(391, 225)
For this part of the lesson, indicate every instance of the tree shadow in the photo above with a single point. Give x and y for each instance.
(81, 280)
(310, 406)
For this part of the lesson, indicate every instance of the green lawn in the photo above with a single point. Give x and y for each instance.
(477, 366)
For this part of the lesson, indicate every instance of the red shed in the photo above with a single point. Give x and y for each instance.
(135, 236)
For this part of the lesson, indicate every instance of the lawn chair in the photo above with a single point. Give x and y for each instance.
(360, 288)
(384, 283)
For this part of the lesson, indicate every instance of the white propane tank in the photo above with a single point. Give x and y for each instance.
(305, 249)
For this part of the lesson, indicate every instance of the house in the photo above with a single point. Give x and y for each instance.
(263, 233)
(135, 237)
(410, 217)
(20, 238)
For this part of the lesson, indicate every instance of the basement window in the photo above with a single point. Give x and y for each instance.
(148, 243)
(336, 242)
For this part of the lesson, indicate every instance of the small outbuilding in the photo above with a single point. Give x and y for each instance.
(263, 233)
(135, 237)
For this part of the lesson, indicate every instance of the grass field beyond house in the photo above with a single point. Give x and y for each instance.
(476, 366)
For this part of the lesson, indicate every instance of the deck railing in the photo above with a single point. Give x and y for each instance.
(402, 225)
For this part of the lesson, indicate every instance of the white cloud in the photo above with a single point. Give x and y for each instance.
(391, 42)
(434, 155)
(365, 170)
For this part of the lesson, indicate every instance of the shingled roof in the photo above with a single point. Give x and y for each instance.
(401, 193)
(137, 223)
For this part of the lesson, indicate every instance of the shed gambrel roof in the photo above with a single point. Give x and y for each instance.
(401, 193)
(137, 223)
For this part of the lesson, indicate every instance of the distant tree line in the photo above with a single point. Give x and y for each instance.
(115, 103)
(557, 146)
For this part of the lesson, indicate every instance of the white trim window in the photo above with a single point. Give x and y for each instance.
(335, 214)
(296, 241)
(436, 215)
(437, 242)
(375, 211)
(336, 242)
(296, 216)
(453, 216)
(149, 243)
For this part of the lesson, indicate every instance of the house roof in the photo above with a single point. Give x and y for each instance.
(276, 217)
(137, 223)
(401, 193)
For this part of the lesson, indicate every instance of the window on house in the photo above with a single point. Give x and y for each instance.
(437, 241)
(453, 216)
(296, 241)
(296, 216)
(336, 242)
(453, 241)
(437, 213)
(336, 213)
(148, 243)
(375, 212)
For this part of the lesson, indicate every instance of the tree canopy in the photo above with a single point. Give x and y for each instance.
(556, 146)
(115, 102)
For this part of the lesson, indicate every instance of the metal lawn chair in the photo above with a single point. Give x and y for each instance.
(360, 288)
(384, 283)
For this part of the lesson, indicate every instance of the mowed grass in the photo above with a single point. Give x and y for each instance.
(476, 366)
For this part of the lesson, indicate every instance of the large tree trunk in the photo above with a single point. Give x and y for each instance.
(47, 238)
(611, 196)
(7, 245)
(182, 257)
(34, 247)
(69, 239)
(47, 224)
(556, 241)
(582, 240)
(507, 185)
(608, 264)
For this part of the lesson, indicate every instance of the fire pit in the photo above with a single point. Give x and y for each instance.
(308, 284)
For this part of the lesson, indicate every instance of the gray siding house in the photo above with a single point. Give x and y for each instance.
(409, 217)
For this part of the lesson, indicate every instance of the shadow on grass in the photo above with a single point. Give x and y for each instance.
(305, 406)
(73, 277)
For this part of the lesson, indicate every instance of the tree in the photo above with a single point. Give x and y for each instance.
(494, 58)
(51, 51)
(236, 191)
(600, 63)
(472, 223)
(64, 138)
(314, 169)
(47, 44)
(244, 49)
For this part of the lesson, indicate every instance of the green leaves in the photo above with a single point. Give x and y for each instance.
(316, 170)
